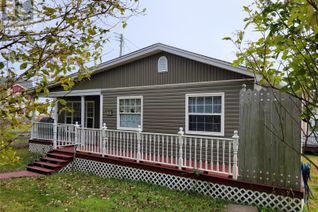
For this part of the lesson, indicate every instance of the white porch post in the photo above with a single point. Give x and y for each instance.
(101, 105)
(181, 134)
(55, 117)
(82, 111)
(235, 149)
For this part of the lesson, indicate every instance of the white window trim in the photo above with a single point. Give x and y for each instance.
(158, 65)
(72, 117)
(141, 112)
(187, 131)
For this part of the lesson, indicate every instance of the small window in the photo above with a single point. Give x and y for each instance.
(162, 64)
(204, 114)
(129, 111)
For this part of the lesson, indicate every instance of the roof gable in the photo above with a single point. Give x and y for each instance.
(158, 47)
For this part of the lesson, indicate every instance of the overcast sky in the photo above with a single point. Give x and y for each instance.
(198, 26)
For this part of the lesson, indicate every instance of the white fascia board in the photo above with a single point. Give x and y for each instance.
(88, 92)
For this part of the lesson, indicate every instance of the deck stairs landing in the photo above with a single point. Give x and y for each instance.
(52, 162)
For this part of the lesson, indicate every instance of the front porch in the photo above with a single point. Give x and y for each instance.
(209, 155)
(84, 107)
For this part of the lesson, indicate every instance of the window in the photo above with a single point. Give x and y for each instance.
(89, 114)
(205, 114)
(129, 112)
(71, 117)
(162, 64)
(75, 115)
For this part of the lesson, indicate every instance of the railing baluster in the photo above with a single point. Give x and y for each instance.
(223, 157)
(200, 153)
(167, 149)
(195, 153)
(206, 154)
(229, 164)
(190, 152)
(217, 155)
(171, 149)
(185, 151)
(212, 141)
(162, 149)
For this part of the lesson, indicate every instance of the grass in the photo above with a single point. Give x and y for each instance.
(313, 184)
(25, 157)
(80, 192)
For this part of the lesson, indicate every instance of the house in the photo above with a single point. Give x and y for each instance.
(160, 88)
(170, 117)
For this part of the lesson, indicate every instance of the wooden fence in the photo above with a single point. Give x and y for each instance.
(270, 135)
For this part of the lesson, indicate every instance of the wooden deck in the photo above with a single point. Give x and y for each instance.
(161, 162)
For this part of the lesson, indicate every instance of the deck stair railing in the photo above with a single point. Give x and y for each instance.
(42, 131)
(189, 152)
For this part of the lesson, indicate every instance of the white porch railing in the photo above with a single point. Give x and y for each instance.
(209, 154)
(59, 134)
(65, 135)
(42, 131)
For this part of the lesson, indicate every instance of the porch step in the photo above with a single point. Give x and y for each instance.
(59, 155)
(40, 170)
(56, 160)
(47, 165)
(52, 162)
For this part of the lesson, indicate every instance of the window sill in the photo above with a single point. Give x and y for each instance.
(204, 133)
(128, 128)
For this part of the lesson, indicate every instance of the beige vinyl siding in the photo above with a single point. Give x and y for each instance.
(164, 107)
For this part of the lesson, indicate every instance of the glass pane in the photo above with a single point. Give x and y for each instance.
(193, 122)
(191, 105)
(130, 120)
(69, 120)
(208, 105)
(217, 100)
(121, 102)
(90, 123)
(216, 124)
(126, 102)
(122, 109)
(138, 109)
(200, 105)
(138, 102)
(132, 108)
(217, 109)
(205, 123)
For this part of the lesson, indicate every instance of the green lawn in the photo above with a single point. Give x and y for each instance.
(80, 192)
(313, 184)
(25, 158)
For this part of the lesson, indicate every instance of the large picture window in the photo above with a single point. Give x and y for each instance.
(129, 112)
(205, 114)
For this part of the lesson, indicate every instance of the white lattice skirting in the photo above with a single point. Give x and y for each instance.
(40, 148)
(243, 196)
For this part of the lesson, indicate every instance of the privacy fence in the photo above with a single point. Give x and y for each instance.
(270, 138)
